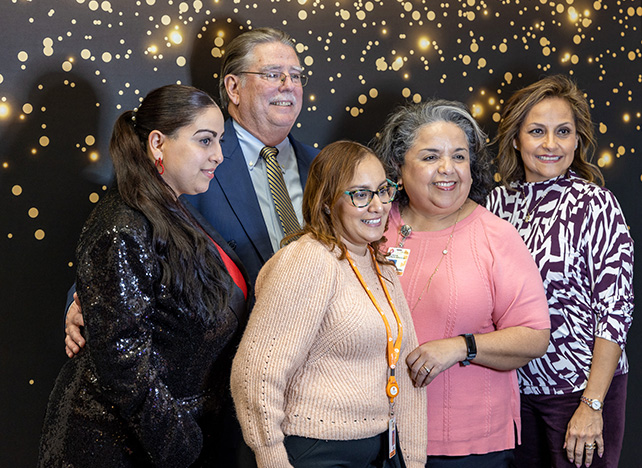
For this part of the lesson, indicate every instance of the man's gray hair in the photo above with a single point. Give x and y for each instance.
(239, 53)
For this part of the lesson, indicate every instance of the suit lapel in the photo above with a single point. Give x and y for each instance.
(303, 160)
(231, 176)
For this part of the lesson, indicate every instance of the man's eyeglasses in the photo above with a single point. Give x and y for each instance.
(275, 77)
(362, 197)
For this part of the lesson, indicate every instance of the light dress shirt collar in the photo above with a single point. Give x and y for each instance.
(252, 146)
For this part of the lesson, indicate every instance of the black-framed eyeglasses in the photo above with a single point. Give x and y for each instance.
(297, 79)
(362, 197)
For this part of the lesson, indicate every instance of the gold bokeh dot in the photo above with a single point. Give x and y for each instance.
(94, 197)
(4, 110)
(39, 234)
(605, 160)
(16, 190)
(33, 212)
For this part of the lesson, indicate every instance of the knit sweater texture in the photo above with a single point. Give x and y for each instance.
(487, 281)
(312, 361)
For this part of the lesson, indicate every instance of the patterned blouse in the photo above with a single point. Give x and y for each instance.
(579, 239)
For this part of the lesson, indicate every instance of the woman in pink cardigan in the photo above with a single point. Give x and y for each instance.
(320, 377)
(474, 291)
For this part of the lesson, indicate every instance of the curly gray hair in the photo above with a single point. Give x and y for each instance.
(400, 132)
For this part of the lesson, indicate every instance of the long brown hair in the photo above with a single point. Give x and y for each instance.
(190, 267)
(330, 173)
(509, 162)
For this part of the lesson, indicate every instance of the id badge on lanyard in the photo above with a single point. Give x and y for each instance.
(392, 390)
(392, 437)
(399, 256)
(393, 350)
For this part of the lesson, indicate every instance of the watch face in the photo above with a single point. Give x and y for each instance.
(596, 405)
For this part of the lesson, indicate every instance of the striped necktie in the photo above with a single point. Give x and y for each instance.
(280, 195)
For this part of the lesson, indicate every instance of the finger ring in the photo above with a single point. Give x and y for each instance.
(426, 369)
(588, 446)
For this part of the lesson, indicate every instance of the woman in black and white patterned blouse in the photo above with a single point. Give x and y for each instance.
(573, 398)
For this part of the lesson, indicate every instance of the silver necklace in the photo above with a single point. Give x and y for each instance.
(405, 231)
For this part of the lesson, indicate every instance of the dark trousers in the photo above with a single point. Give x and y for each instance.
(544, 421)
(362, 453)
(501, 459)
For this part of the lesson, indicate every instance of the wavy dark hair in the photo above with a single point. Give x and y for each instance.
(402, 127)
(509, 163)
(191, 267)
(330, 174)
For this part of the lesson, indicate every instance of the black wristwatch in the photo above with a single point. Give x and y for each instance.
(471, 349)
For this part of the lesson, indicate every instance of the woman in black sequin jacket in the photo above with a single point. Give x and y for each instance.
(164, 303)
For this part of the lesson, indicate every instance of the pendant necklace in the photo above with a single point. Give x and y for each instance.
(443, 254)
(530, 213)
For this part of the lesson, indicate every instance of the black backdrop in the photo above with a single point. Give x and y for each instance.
(68, 68)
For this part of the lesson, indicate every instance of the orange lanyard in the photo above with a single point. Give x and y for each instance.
(392, 389)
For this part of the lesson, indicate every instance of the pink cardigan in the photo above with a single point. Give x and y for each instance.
(487, 281)
(312, 361)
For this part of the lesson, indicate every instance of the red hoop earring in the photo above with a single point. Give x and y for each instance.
(159, 162)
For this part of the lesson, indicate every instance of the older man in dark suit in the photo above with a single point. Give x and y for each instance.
(261, 86)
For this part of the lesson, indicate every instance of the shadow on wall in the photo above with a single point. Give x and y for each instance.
(43, 205)
(207, 55)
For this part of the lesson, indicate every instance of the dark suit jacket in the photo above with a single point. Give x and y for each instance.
(232, 208)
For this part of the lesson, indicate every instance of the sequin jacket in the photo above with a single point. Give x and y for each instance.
(149, 386)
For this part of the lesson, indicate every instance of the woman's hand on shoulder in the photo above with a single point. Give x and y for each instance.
(433, 357)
